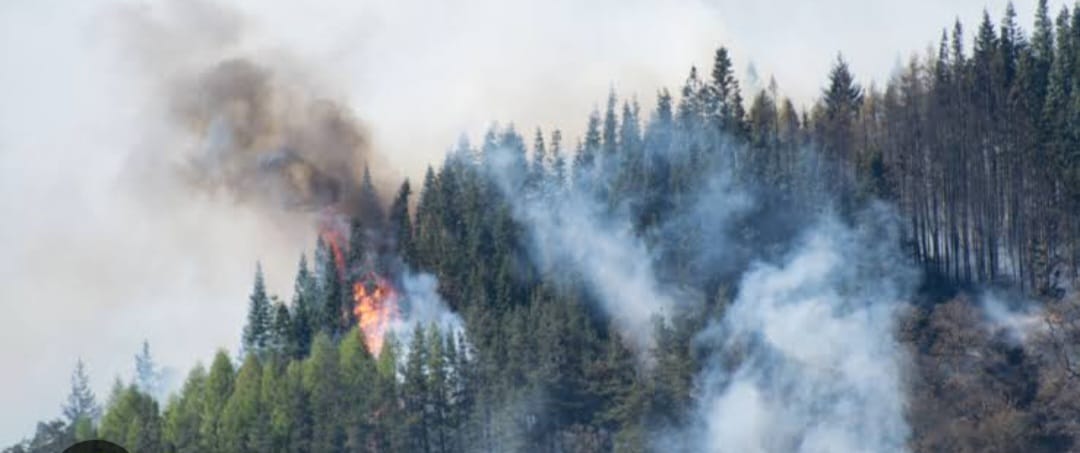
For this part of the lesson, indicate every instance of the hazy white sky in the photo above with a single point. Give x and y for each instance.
(91, 266)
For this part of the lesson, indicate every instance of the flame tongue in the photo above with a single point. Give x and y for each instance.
(375, 302)
(375, 308)
(331, 233)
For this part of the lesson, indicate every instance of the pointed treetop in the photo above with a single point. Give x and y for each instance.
(81, 403)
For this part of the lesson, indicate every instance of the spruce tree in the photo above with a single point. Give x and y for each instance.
(610, 144)
(81, 403)
(415, 393)
(147, 378)
(282, 340)
(132, 420)
(438, 392)
(359, 390)
(244, 421)
(304, 310)
(216, 393)
(402, 224)
(322, 383)
(259, 318)
(183, 414)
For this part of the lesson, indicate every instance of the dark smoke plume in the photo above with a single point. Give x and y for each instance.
(265, 144)
(261, 128)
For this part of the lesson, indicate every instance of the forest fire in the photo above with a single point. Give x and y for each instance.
(375, 308)
(335, 241)
(375, 301)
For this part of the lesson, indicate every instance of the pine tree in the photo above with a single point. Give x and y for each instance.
(586, 157)
(259, 318)
(335, 309)
(294, 418)
(132, 419)
(183, 414)
(1042, 51)
(415, 393)
(216, 392)
(304, 311)
(558, 160)
(281, 330)
(763, 139)
(428, 228)
(81, 409)
(244, 423)
(1056, 111)
(358, 380)
(146, 373)
(438, 392)
(402, 223)
(370, 209)
(610, 145)
(723, 104)
(81, 403)
(322, 383)
(842, 100)
(615, 379)
(390, 427)
(538, 169)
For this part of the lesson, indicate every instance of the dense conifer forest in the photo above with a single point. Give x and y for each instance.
(951, 195)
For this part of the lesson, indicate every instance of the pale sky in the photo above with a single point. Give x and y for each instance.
(93, 264)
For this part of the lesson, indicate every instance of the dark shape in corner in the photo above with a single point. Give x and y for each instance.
(95, 446)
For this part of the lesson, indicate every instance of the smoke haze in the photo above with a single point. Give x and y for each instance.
(819, 368)
(104, 132)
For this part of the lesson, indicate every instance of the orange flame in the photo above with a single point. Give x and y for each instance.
(375, 308)
(334, 239)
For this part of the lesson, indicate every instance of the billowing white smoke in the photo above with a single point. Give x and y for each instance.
(569, 234)
(816, 367)
(805, 358)
(424, 307)
(573, 238)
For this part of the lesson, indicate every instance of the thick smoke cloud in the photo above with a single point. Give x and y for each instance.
(805, 358)
(256, 149)
(424, 307)
(816, 365)
(255, 126)
(571, 237)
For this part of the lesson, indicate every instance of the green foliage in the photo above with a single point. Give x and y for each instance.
(215, 395)
(978, 152)
(132, 419)
(260, 317)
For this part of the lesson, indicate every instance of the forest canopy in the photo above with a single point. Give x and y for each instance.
(886, 269)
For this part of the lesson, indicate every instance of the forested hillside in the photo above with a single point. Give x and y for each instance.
(608, 287)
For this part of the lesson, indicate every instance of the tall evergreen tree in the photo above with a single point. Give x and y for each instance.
(244, 418)
(282, 331)
(183, 414)
(724, 104)
(132, 419)
(304, 311)
(402, 223)
(322, 383)
(259, 318)
(215, 395)
(842, 99)
(415, 393)
(147, 376)
(81, 409)
(611, 127)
